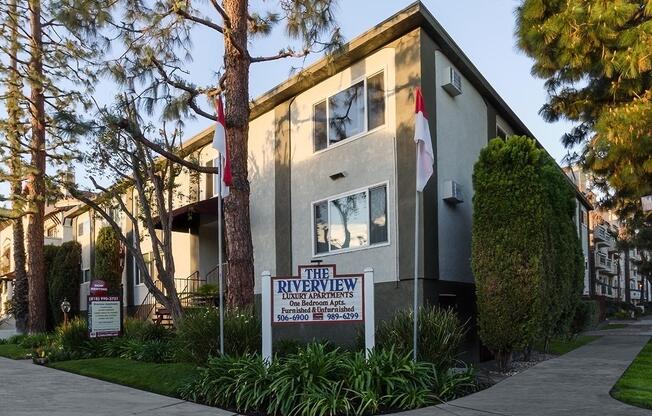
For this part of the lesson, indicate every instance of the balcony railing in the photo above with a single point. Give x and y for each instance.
(602, 235)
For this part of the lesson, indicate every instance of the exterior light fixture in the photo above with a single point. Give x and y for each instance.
(65, 308)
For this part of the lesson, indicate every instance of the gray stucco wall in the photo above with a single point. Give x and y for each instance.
(461, 135)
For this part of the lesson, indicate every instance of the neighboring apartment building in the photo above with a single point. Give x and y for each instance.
(612, 268)
(332, 173)
(57, 230)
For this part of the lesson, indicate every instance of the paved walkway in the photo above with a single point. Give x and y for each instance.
(576, 384)
(31, 390)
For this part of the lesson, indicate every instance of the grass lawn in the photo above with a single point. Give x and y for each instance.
(635, 386)
(614, 326)
(13, 351)
(562, 346)
(163, 379)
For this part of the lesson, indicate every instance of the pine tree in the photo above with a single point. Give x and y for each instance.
(55, 65)
(158, 35)
(13, 151)
(595, 58)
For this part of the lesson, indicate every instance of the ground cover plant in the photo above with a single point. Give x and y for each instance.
(440, 334)
(635, 386)
(317, 380)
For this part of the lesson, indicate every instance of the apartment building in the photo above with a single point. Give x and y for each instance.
(332, 173)
(612, 267)
(57, 230)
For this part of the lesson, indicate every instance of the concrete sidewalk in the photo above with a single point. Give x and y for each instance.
(31, 390)
(576, 384)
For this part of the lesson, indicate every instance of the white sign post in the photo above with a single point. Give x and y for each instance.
(317, 295)
(266, 305)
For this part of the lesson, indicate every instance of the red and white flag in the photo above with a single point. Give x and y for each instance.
(219, 143)
(425, 154)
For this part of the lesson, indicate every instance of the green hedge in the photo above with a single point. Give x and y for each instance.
(526, 255)
(108, 259)
(63, 279)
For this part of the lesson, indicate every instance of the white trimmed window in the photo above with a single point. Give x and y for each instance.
(350, 221)
(349, 113)
(86, 275)
(81, 228)
(149, 262)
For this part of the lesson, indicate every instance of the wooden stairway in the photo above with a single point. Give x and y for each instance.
(150, 308)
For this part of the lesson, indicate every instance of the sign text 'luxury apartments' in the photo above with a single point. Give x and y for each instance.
(318, 295)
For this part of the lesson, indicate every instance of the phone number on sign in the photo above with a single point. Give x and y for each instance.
(299, 317)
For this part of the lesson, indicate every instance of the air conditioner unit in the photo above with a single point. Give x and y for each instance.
(453, 82)
(452, 192)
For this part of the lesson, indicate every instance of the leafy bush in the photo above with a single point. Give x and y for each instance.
(242, 331)
(321, 381)
(108, 258)
(34, 341)
(151, 351)
(208, 289)
(440, 334)
(16, 339)
(145, 330)
(63, 279)
(586, 316)
(197, 336)
(49, 258)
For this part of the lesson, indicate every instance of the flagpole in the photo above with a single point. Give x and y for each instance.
(219, 253)
(415, 308)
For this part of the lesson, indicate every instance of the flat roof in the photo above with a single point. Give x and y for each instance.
(405, 21)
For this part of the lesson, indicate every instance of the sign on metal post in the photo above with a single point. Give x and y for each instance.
(104, 316)
(317, 295)
(104, 312)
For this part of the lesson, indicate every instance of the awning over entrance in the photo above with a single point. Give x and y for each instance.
(188, 216)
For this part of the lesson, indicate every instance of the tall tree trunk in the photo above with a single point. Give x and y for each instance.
(14, 95)
(240, 276)
(21, 289)
(36, 178)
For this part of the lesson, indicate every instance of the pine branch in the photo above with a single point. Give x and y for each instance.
(199, 20)
(135, 133)
(283, 54)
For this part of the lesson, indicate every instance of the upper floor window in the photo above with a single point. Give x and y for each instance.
(86, 275)
(351, 221)
(353, 111)
(52, 231)
(81, 228)
(149, 263)
(500, 132)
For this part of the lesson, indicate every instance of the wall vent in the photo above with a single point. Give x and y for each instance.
(452, 192)
(453, 82)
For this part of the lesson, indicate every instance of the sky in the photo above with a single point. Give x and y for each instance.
(484, 29)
